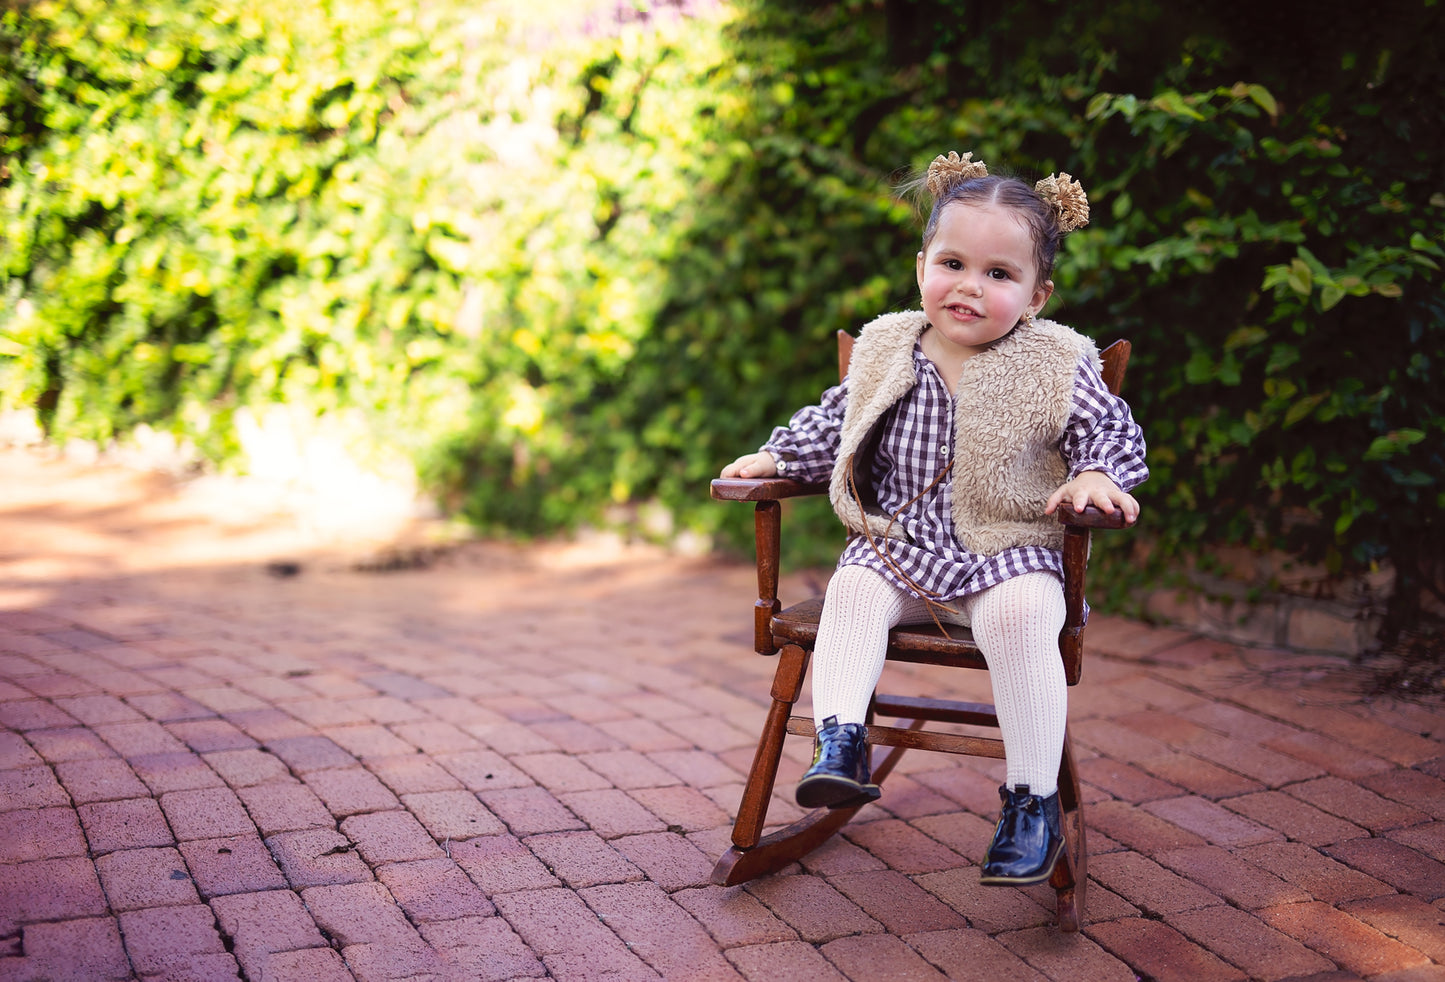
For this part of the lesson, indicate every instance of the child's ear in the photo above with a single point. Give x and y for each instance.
(919, 270)
(1042, 294)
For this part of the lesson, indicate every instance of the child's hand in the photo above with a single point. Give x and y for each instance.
(752, 465)
(1094, 488)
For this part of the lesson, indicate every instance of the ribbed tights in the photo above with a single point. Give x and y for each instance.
(1016, 625)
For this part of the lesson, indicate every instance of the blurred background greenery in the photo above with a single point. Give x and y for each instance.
(571, 257)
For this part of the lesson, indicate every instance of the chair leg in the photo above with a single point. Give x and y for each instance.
(753, 854)
(781, 848)
(787, 688)
(1071, 875)
(790, 844)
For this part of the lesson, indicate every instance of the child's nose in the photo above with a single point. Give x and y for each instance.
(971, 283)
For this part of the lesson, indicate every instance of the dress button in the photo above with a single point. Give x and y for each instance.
(943, 449)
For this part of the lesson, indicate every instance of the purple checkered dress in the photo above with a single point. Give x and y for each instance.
(916, 444)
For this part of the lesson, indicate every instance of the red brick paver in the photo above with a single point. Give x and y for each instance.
(504, 766)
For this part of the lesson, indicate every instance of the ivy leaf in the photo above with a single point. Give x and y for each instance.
(1300, 278)
(1199, 369)
(1245, 337)
(1392, 444)
(1303, 408)
(1420, 243)
(1173, 103)
(1264, 99)
(1097, 105)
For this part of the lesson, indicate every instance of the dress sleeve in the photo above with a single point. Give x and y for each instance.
(1101, 434)
(808, 445)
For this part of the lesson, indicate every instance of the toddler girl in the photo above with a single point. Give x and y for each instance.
(960, 429)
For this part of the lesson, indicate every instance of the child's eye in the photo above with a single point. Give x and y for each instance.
(999, 274)
(953, 264)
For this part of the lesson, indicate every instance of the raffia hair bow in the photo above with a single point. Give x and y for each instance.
(1068, 199)
(945, 172)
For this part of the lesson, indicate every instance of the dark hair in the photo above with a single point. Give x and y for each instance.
(1005, 192)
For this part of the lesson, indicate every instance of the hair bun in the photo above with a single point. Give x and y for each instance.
(945, 172)
(1068, 199)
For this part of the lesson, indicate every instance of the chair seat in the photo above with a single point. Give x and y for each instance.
(922, 644)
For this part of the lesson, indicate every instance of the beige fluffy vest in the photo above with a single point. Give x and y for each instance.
(1012, 406)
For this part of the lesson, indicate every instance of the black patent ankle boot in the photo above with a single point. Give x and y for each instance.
(839, 777)
(1027, 842)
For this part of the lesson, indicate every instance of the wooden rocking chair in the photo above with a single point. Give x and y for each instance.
(791, 633)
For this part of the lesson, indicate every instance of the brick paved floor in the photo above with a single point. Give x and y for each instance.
(500, 767)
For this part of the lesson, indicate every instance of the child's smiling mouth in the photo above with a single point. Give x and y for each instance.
(963, 310)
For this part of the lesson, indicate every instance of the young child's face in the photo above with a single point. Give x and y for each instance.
(978, 277)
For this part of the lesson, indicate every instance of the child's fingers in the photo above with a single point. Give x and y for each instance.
(1083, 492)
(1130, 508)
(751, 465)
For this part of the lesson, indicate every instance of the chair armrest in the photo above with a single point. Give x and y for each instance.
(1090, 518)
(762, 489)
(768, 533)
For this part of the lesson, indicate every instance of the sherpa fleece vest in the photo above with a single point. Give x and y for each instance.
(1012, 404)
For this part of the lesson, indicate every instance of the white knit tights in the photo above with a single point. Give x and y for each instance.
(1016, 625)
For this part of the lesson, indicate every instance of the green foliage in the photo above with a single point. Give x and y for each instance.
(209, 204)
(1286, 295)
(580, 275)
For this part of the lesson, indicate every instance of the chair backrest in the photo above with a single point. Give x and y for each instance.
(1115, 358)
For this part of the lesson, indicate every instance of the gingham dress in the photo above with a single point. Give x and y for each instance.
(917, 442)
